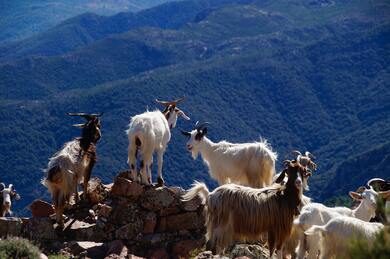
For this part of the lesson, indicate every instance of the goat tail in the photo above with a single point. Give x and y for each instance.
(315, 230)
(197, 189)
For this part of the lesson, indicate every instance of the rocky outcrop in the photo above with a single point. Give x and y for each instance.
(115, 221)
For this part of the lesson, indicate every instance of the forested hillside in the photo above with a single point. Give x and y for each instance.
(20, 19)
(302, 74)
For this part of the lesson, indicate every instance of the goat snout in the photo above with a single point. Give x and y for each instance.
(298, 182)
(189, 147)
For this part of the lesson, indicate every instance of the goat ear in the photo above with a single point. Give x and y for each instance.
(281, 176)
(355, 196)
(182, 114)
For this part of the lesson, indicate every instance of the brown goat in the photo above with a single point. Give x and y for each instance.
(73, 164)
(239, 213)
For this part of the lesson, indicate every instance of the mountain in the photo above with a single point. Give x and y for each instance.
(21, 19)
(86, 28)
(307, 75)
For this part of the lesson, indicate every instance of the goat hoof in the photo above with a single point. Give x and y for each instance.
(160, 181)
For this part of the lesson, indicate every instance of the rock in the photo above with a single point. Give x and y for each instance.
(126, 188)
(129, 231)
(183, 248)
(209, 255)
(105, 211)
(96, 191)
(124, 213)
(191, 205)
(162, 225)
(157, 199)
(116, 247)
(154, 239)
(10, 227)
(81, 231)
(150, 223)
(92, 249)
(160, 253)
(40, 208)
(108, 187)
(251, 251)
(125, 174)
(40, 229)
(188, 220)
(178, 191)
(43, 256)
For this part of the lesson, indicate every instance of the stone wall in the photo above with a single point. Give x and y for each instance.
(117, 220)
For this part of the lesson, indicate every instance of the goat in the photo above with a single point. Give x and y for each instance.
(240, 213)
(73, 164)
(292, 242)
(338, 231)
(319, 214)
(149, 132)
(6, 197)
(249, 164)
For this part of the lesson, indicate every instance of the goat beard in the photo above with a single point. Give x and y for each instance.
(195, 153)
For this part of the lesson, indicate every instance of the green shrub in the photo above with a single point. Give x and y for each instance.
(18, 248)
(359, 248)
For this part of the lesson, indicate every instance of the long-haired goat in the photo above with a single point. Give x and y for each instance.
(149, 132)
(73, 164)
(338, 231)
(249, 164)
(319, 214)
(296, 234)
(240, 213)
(6, 197)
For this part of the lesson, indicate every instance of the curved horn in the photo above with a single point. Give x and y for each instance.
(97, 114)
(375, 180)
(296, 152)
(199, 126)
(310, 155)
(167, 103)
(85, 115)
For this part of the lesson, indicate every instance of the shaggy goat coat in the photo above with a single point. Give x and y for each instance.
(65, 170)
(239, 213)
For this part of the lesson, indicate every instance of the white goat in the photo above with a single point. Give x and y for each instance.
(7, 195)
(249, 164)
(149, 132)
(319, 214)
(338, 231)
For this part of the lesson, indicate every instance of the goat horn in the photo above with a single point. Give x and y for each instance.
(296, 152)
(85, 115)
(200, 126)
(167, 103)
(375, 180)
(310, 155)
(81, 125)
